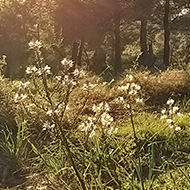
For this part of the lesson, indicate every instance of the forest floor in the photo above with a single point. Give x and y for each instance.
(133, 133)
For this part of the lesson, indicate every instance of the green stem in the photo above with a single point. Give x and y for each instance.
(58, 124)
(137, 144)
(63, 137)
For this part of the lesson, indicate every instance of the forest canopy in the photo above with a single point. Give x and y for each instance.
(96, 34)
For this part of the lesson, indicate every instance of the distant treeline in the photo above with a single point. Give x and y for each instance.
(100, 35)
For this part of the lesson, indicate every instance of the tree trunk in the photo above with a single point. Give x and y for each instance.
(117, 61)
(75, 52)
(79, 62)
(166, 58)
(143, 35)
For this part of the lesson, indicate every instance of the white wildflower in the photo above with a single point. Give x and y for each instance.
(169, 121)
(178, 128)
(129, 78)
(23, 96)
(106, 119)
(49, 113)
(48, 126)
(23, 85)
(89, 86)
(76, 72)
(103, 106)
(124, 88)
(170, 102)
(135, 87)
(4, 57)
(127, 106)
(30, 187)
(132, 92)
(119, 99)
(179, 114)
(67, 63)
(175, 109)
(19, 97)
(88, 125)
(39, 72)
(31, 70)
(112, 130)
(68, 81)
(171, 126)
(163, 111)
(35, 44)
(92, 133)
(58, 78)
(171, 112)
(67, 108)
(16, 98)
(47, 70)
(138, 87)
(139, 100)
(163, 117)
(106, 107)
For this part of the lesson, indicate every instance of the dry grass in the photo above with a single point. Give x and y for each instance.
(159, 87)
(150, 129)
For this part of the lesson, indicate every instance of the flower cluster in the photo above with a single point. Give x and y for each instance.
(169, 112)
(101, 120)
(21, 94)
(106, 119)
(131, 93)
(68, 74)
(103, 106)
(130, 88)
(88, 86)
(47, 126)
(46, 95)
(67, 64)
(35, 44)
(68, 80)
(21, 85)
(3, 60)
(19, 97)
(88, 126)
(33, 70)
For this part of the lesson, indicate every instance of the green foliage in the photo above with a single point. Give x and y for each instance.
(105, 161)
(14, 154)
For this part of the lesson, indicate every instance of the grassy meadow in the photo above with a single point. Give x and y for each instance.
(73, 130)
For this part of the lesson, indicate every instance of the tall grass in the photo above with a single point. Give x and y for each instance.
(76, 132)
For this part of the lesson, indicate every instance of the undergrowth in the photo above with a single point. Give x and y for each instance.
(73, 131)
